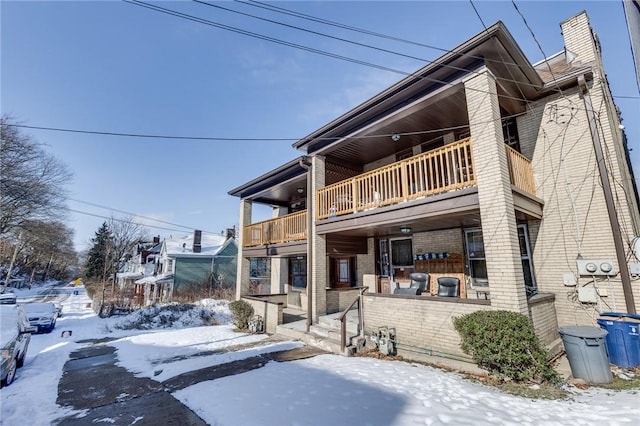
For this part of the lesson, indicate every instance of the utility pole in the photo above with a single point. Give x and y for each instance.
(13, 260)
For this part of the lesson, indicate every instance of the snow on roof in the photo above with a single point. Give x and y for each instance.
(211, 245)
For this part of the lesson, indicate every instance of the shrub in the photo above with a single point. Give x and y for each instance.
(505, 344)
(242, 313)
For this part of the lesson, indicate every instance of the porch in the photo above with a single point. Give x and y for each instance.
(441, 179)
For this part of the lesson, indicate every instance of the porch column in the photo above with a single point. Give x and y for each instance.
(279, 275)
(499, 230)
(317, 244)
(242, 272)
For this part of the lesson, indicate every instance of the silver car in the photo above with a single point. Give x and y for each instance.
(42, 315)
(15, 335)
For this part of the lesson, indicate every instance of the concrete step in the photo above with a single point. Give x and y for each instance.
(331, 322)
(318, 336)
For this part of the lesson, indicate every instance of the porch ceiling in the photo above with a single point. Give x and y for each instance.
(447, 109)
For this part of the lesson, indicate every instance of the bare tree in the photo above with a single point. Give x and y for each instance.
(45, 246)
(126, 235)
(31, 180)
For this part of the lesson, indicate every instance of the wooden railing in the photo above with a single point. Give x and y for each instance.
(292, 227)
(520, 171)
(434, 172)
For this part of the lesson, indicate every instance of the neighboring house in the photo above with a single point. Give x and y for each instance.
(192, 264)
(140, 265)
(481, 167)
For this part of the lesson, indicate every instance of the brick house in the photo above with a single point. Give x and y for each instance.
(480, 167)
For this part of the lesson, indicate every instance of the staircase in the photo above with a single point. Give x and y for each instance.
(326, 333)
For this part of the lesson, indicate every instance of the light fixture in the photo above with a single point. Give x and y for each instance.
(300, 190)
(395, 137)
(405, 230)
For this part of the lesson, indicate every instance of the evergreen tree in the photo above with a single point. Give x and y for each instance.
(98, 253)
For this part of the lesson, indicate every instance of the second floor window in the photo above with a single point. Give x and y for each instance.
(510, 133)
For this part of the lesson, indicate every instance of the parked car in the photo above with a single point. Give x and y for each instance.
(15, 335)
(41, 315)
(8, 298)
(58, 306)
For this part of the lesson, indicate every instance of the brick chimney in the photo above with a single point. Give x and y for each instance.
(197, 241)
(156, 240)
(231, 232)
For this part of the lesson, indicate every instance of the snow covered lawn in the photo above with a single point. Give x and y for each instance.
(324, 390)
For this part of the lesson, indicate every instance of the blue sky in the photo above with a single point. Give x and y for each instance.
(110, 66)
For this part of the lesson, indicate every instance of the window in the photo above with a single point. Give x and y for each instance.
(298, 272)
(260, 275)
(402, 155)
(260, 268)
(343, 272)
(527, 265)
(169, 268)
(476, 261)
(463, 134)
(510, 133)
(432, 144)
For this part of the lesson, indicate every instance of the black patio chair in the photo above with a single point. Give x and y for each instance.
(448, 286)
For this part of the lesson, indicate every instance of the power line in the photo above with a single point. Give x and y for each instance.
(177, 137)
(135, 215)
(290, 12)
(310, 49)
(368, 46)
(299, 46)
(141, 135)
(124, 221)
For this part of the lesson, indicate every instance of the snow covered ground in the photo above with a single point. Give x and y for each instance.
(324, 390)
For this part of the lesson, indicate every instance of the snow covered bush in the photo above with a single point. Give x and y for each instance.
(504, 343)
(176, 315)
(242, 313)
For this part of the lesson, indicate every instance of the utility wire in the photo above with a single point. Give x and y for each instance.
(290, 12)
(136, 215)
(299, 46)
(541, 51)
(142, 135)
(306, 48)
(368, 46)
(124, 221)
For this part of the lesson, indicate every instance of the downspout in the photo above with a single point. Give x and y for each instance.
(305, 164)
(608, 196)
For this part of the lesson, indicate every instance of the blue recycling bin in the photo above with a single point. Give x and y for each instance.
(623, 338)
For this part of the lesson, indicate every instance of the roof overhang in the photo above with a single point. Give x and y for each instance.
(276, 186)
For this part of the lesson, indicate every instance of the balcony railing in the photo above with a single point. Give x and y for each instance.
(434, 172)
(520, 171)
(292, 227)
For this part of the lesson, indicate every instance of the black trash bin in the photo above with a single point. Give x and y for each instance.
(623, 338)
(586, 353)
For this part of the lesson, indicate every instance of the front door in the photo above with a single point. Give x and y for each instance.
(401, 259)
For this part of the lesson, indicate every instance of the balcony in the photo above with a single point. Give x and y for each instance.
(438, 171)
(441, 170)
(292, 227)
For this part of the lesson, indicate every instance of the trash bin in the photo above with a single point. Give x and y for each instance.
(623, 338)
(586, 353)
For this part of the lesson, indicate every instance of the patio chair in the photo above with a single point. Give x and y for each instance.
(419, 284)
(448, 286)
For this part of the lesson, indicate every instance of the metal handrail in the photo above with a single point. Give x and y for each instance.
(343, 327)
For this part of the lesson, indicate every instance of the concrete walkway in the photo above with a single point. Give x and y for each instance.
(93, 382)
